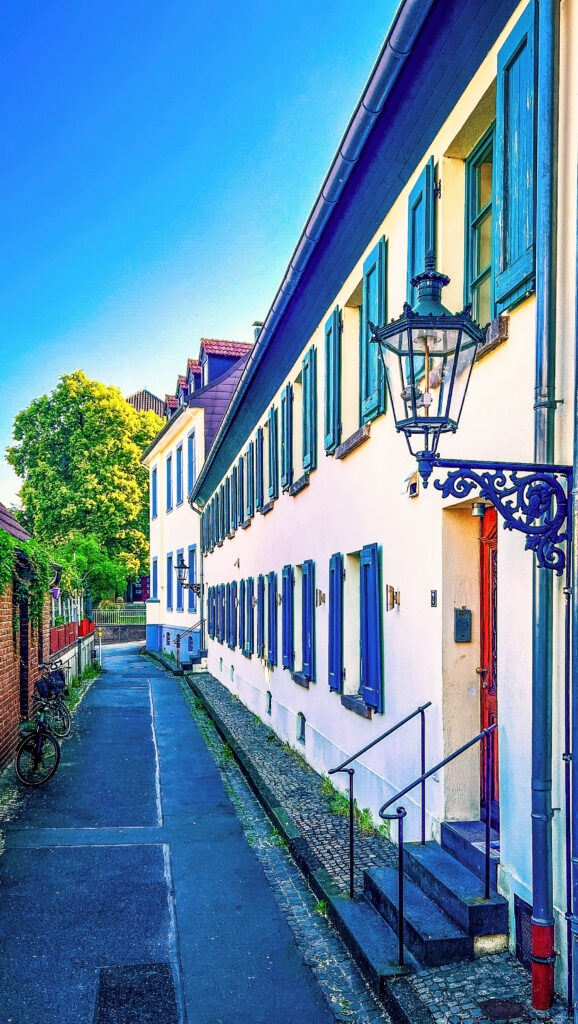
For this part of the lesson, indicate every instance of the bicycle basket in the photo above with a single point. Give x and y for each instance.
(43, 687)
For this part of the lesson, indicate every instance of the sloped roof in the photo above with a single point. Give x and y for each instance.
(214, 346)
(11, 525)
(171, 402)
(194, 365)
(181, 382)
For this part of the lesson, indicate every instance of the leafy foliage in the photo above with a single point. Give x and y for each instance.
(79, 451)
(7, 559)
(87, 565)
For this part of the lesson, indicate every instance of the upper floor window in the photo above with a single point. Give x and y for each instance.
(192, 577)
(155, 578)
(169, 582)
(169, 483)
(179, 474)
(478, 276)
(154, 498)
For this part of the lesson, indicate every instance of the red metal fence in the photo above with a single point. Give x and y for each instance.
(64, 636)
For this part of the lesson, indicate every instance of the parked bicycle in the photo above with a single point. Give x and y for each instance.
(51, 688)
(38, 753)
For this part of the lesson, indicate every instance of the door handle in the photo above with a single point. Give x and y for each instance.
(481, 671)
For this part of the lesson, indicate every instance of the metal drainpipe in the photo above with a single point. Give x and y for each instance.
(544, 408)
(574, 684)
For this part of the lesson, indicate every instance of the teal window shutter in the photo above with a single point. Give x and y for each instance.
(222, 614)
(332, 421)
(233, 617)
(261, 616)
(210, 626)
(287, 653)
(250, 481)
(335, 661)
(179, 474)
(421, 234)
(259, 494)
(286, 437)
(242, 614)
(272, 618)
(309, 383)
(228, 614)
(308, 618)
(192, 600)
(234, 495)
(227, 512)
(273, 454)
(241, 486)
(222, 522)
(191, 461)
(374, 310)
(169, 483)
(371, 662)
(249, 631)
(514, 174)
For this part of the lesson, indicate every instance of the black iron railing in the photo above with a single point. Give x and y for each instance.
(400, 813)
(181, 636)
(351, 772)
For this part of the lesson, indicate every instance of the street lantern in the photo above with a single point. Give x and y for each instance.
(183, 570)
(427, 354)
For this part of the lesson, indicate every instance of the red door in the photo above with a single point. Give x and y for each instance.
(489, 650)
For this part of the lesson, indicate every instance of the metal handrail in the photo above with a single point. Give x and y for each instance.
(351, 772)
(183, 634)
(400, 813)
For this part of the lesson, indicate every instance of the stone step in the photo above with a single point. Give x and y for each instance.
(465, 840)
(371, 940)
(429, 933)
(455, 889)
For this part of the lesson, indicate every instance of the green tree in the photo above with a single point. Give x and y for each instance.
(78, 450)
(86, 565)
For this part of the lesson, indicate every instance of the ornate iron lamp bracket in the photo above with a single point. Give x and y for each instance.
(533, 499)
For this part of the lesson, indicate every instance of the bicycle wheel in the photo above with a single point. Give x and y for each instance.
(34, 767)
(58, 718)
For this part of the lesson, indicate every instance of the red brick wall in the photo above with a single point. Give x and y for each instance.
(10, 694)
(9, 681)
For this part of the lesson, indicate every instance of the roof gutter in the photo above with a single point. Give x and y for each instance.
(398, 45)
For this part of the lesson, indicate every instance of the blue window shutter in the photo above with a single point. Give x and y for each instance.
(154, 494)
(250, 481)
(234, 492)
(227, 505)
(287, 654)
(169, 483)
(222, 614)
(332, 421)
(221, 512)
(514, 175)
(228, 614)
(308, 619)
(191, 462)
(371, 661)
(374, 310)
(286, 437)
(169, 582)
(309, 378)
(192, 600)
(273, 454)
(421, 226)
(335, 660)
(155, 577)
(272, 618)
(233, 616)
(210, 612)
(241, 486)
(261, 616)
(180, 588)
(179, 474)
(249, 633)
(242, 614)
(259, 495)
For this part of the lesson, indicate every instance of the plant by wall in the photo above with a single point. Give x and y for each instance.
(7, 560)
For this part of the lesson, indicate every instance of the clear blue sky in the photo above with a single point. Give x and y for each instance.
(159, 162)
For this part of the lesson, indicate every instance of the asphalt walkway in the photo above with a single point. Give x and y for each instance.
(128, 891)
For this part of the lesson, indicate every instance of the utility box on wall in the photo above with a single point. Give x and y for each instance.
(462, 626)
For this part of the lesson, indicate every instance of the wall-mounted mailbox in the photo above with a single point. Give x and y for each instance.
(462, 625)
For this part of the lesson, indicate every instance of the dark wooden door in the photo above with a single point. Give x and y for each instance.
(489, 649)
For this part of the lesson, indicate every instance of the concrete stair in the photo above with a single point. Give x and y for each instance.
(446, 917)
(465, 841)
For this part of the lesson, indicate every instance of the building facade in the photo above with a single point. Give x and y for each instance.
(174, 459)
(341, 594)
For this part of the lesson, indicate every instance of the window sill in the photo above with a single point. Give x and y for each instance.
(270, 664)
(247, 654)
(219, 543)
(354, 441)
(245, 524)
(300, 679)
(231, 646)
(496, 332)
(231, 535)
(353, 702)
(266, 508)
(179, 503)
(299, 485)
